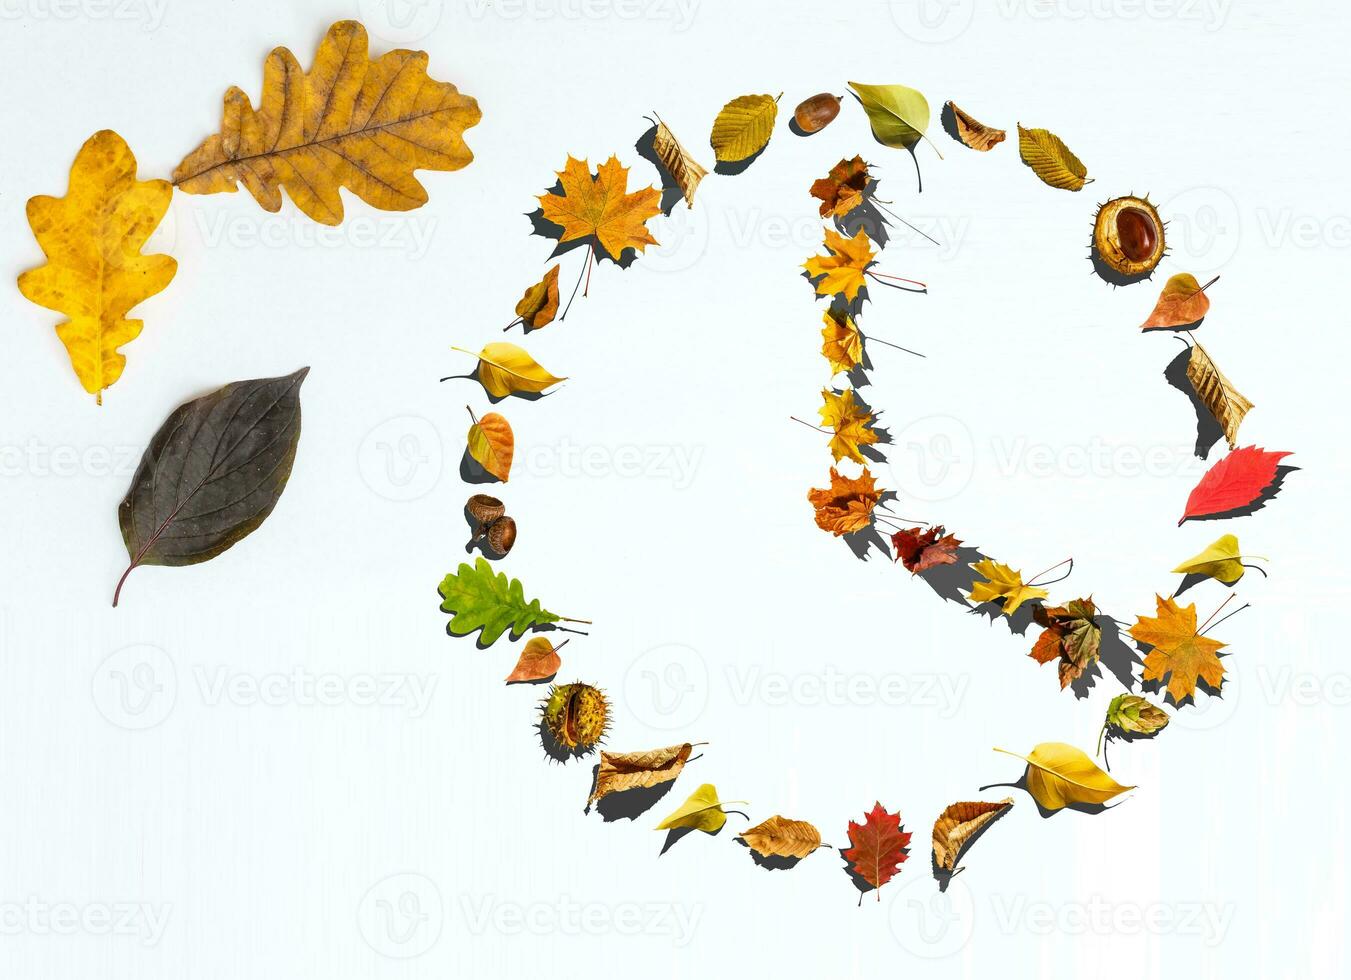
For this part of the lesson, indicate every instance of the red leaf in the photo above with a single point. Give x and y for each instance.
(879, 847)
(920, 552)
(1235, 481)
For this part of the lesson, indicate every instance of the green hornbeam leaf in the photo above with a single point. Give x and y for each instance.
(481, 598)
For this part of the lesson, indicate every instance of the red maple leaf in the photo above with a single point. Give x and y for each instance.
(1235, 481)
(879, 847)
(921, 551)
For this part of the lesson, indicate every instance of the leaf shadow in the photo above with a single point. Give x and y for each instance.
(1090, 809)
(471, 471)
(1115, 655)
(942, 875)
(556, 750)
(951, 582)
(1109, 275)
(1208, 430)
(629, 804)
(862, 884)
(732, 168)
(671, 192)
(677, 834)
(773, 862)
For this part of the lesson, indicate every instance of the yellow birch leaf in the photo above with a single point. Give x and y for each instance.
(683, 168)
(348, 122)
(1059, 775)
(95, 272)
(492, 444)
(743, 127)
(781, 837)
(1217, 393)
(1003, 584)
(702, 811)
(505, 369)
(1050, 159)
(622, 771)
(1220, 561)
(957, 827)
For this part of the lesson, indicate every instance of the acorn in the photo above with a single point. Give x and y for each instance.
(502, 535)
(493, 523)
(1128, 237)
(576, 716)
(815, 114)
(484, 509)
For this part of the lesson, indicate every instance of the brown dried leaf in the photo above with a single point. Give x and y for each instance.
(539, 661)
(1217, 393)
(539, 305)
(781, 837)
(683, 168)
(620, 771)
(957, 827)
(974, 134)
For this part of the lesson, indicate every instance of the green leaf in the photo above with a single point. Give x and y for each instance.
(899, 114)
(480, 598)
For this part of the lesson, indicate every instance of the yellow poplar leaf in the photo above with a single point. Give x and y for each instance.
(348, 122)
(842, 271)
(505, 369)
(851, 424)
(1220, 560)
(539, 305)
(539, 661)
(702, 811)
(1180, 653)
(842, 343)
(1217, 393)
(492, 444)
(683, 168)
(1050, 159)
(1003, 583)
(95, 272)
(1059, 775)
(622, 771)
(899, 114)
(781, 837)
(743, 127)
(974, 134)
(957, 827)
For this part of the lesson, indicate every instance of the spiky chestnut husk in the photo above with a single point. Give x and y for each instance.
(1128, 237)
(576, 715)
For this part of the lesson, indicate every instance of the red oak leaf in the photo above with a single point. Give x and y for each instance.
(1235, 481)
(879, 847)
(921, 551)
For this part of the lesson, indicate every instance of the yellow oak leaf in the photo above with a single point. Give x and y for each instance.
(601, 206)
(841, 341)
(505, 369)
(702, 811)
(847, 506)
(1003, 583)
(1179, 653)
(851, 423)
(348, 122)
(1220, 560)
(842, 271)
(95, 272)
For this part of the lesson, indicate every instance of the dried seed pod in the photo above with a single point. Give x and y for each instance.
(576, 716)
(1128, 237)
(815, 114)
(484, 509)
(502, 535)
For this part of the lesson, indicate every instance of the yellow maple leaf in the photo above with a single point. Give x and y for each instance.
(851, 423)
(842, 271)
(1179, 652)
(347, 122)
(1003, 583)
(601, 206)
(842, 343)
(847, 505)
(95, 272)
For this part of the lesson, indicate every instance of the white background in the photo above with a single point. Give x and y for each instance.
(221, 833)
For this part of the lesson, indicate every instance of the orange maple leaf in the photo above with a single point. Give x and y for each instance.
(848, 505)
(842, 190)
(1179, 650)
(600, 205)
(842, 271)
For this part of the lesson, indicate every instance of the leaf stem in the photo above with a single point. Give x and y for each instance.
(569, 619)
(118, 591)
(808, 424)
(897, 346)
(1215, 613)
(590, 258)
(519, 319)
(471, 414)
(1067, 561)
(879, 276)
(908, 224)
(1208, 285)
(572, 296)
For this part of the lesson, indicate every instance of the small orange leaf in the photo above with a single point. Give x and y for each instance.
(539, 305)
(1182, 303)
(492, 444)
(539, 661)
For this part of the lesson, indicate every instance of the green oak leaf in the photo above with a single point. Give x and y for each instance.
(482, 598)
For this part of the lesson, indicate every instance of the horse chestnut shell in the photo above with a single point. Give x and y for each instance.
(1128, 239)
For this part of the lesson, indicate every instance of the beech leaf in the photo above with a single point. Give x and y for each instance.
(969, 132)
(1059, 775)
(619, 772)
(743, 127)
(957, 827)
(1217, 393)
(1050, 159)
(683, 168)
(781, 837)
(212, 473)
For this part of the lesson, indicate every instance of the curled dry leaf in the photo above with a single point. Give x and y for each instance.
(1182, 303)
(743, 127)
(1237, 481)
(622, 771)
(539, 305)
(1059, 775)
(958, 826)
(847, 506)
(1050, 159)
(702, 811)
(1221, 560)
(539, 661)
(843, 188)
(1217, 393)
(841, 272)
(920, 551)
(349, 122)
(491, 443)
(816, 113)
(1071, 635)
(969, 132)
(506, 369)
(95, 272)
(841, 341)
(212, 473)
(781, 837)
(850, 422)
(879, 847)
(1180, 654)
(1004, 585)
(683, 168)
(483, 599)
(1130, 714)
(601, 207)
